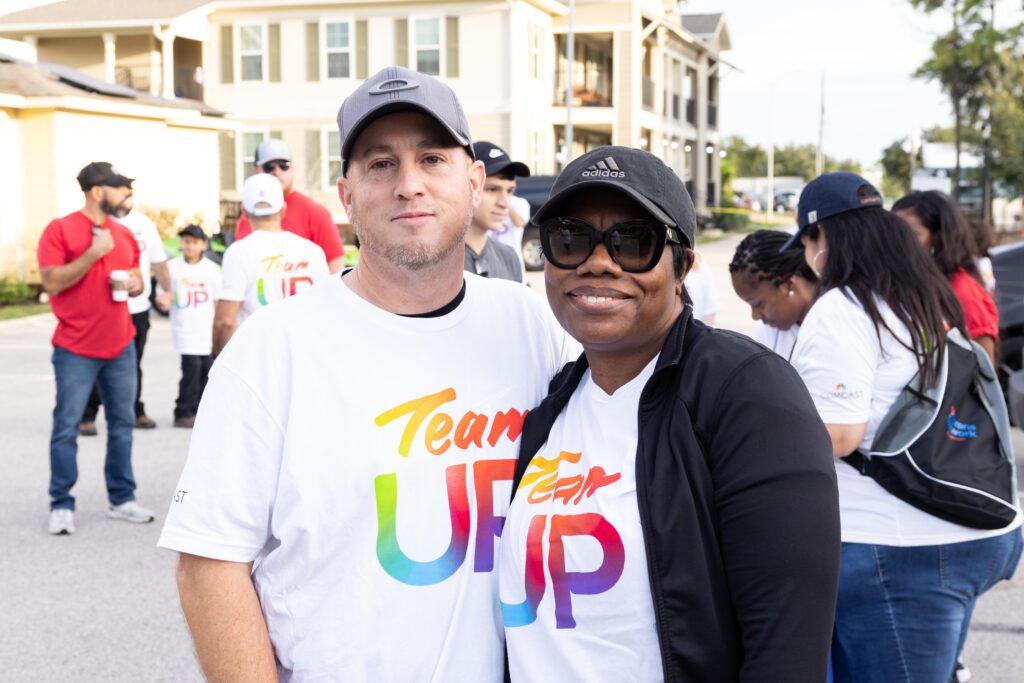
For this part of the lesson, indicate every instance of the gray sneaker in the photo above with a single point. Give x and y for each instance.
(62, 522)
(130, 512)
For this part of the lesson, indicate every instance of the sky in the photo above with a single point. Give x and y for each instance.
(868, 51)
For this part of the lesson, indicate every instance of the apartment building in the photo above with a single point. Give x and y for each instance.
(641, 75)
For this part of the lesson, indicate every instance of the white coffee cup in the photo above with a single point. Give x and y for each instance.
(119, 284)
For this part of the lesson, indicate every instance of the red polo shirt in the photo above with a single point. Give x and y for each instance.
(307, 219)
(89, 322)
(980, 311)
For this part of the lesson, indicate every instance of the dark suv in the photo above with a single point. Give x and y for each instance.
(535, 190)
(1008, 264)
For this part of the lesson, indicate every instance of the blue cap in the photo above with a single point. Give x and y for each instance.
(831, 194)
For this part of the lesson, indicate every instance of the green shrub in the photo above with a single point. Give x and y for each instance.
(15, 291)
(732, 221)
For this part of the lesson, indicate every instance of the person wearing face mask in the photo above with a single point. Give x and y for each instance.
(675, 514)
(89, 265)
(778, 286)
(909, 579)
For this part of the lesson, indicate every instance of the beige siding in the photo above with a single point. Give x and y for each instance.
(84, 54)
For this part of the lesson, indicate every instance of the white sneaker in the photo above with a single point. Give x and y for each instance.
(62, 522)
(130, 512)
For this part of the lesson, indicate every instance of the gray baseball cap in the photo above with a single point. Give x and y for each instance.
(396, 89)
(272, 150)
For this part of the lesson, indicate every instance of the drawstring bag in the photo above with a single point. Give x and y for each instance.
(947, 450)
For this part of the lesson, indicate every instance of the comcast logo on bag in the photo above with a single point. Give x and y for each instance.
(957, 430)
(842, 392)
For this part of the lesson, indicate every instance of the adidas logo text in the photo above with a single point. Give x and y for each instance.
(606, 168)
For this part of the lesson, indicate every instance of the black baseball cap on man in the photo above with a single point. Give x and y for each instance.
(102, 174)
(496, 160)
(831, 194)
(396, 89)
(193, 230)
(639, 175)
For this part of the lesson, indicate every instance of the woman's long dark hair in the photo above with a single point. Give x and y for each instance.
(953, 243)
(760, 255)
(873, 253)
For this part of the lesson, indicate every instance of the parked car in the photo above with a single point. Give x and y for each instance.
(1008, 264)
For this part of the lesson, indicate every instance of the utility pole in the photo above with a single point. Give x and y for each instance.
(819, 158)
(570, 49)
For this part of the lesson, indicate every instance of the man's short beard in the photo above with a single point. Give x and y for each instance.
(119, 211)
(412, 258)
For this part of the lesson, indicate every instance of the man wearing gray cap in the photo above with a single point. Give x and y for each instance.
(347, 478)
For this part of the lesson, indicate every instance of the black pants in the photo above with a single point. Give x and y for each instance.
(141, 323)
(194, 371)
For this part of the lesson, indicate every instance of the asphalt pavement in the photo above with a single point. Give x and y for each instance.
(101, 605)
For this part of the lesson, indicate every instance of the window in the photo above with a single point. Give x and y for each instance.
(427, 46)
(251, 47)
(536, 52)
(332, 158)
(338, 49)
(250, 141)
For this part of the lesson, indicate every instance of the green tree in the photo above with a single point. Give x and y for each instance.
(895, 169)
(747, 161)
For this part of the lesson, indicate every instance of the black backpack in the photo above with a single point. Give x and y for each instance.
(947, 450)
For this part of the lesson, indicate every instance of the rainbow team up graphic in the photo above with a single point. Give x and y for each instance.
(285, 274)
(440, 432)
(549, 487)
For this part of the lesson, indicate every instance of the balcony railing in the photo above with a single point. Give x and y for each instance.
(186, 83)
(583, 98)
(712, 115)
(691, 111)
(135, 76)
(648, 93)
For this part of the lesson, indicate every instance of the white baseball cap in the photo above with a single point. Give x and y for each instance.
(262, 195)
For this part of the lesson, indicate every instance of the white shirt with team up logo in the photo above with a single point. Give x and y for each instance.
(854, 378)
(270, 266)
(363, 460)
(195, 288)
(575, 592)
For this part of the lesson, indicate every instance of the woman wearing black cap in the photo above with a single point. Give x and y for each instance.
(908, 578)
(675, 516)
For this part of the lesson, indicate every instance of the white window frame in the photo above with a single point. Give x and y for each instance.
(244, 161)
(325, 51)
(414, 47)
(328, 153)
(536, 52)
(264, 52)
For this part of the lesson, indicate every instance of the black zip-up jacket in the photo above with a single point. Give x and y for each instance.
(739, 508)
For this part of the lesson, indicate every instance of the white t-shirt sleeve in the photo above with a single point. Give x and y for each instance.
(154, 245)
(837, 355)
(234, 278)
(214, 275)
(223, 503)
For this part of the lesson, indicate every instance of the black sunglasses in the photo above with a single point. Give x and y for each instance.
(635, 245)
(271, 165)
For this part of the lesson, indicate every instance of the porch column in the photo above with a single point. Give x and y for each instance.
(109, 57)
(167, 62)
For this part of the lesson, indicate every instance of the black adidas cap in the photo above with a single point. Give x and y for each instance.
(638, 174)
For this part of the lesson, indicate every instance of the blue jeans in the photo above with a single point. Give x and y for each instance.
(116, 380)
(902, 614)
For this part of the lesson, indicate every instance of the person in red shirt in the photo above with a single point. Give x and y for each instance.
(89, 265)
(944, 232)
(302, 215)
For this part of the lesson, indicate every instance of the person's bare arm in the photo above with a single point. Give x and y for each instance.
(135, 284)
(336, 264)
(223, 613)
(163, 275)
(989, 344)
(846, 437)
(58, 278)
(224, 322)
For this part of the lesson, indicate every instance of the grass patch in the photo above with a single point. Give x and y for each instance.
(22, 310)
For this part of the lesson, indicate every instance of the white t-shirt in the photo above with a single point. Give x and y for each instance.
(781, 342)
(700, 284)
(363, 460)
(852, 379)
(151, 250)
(270, 266)
(574, 587)
(511, 235)
(195, 288)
